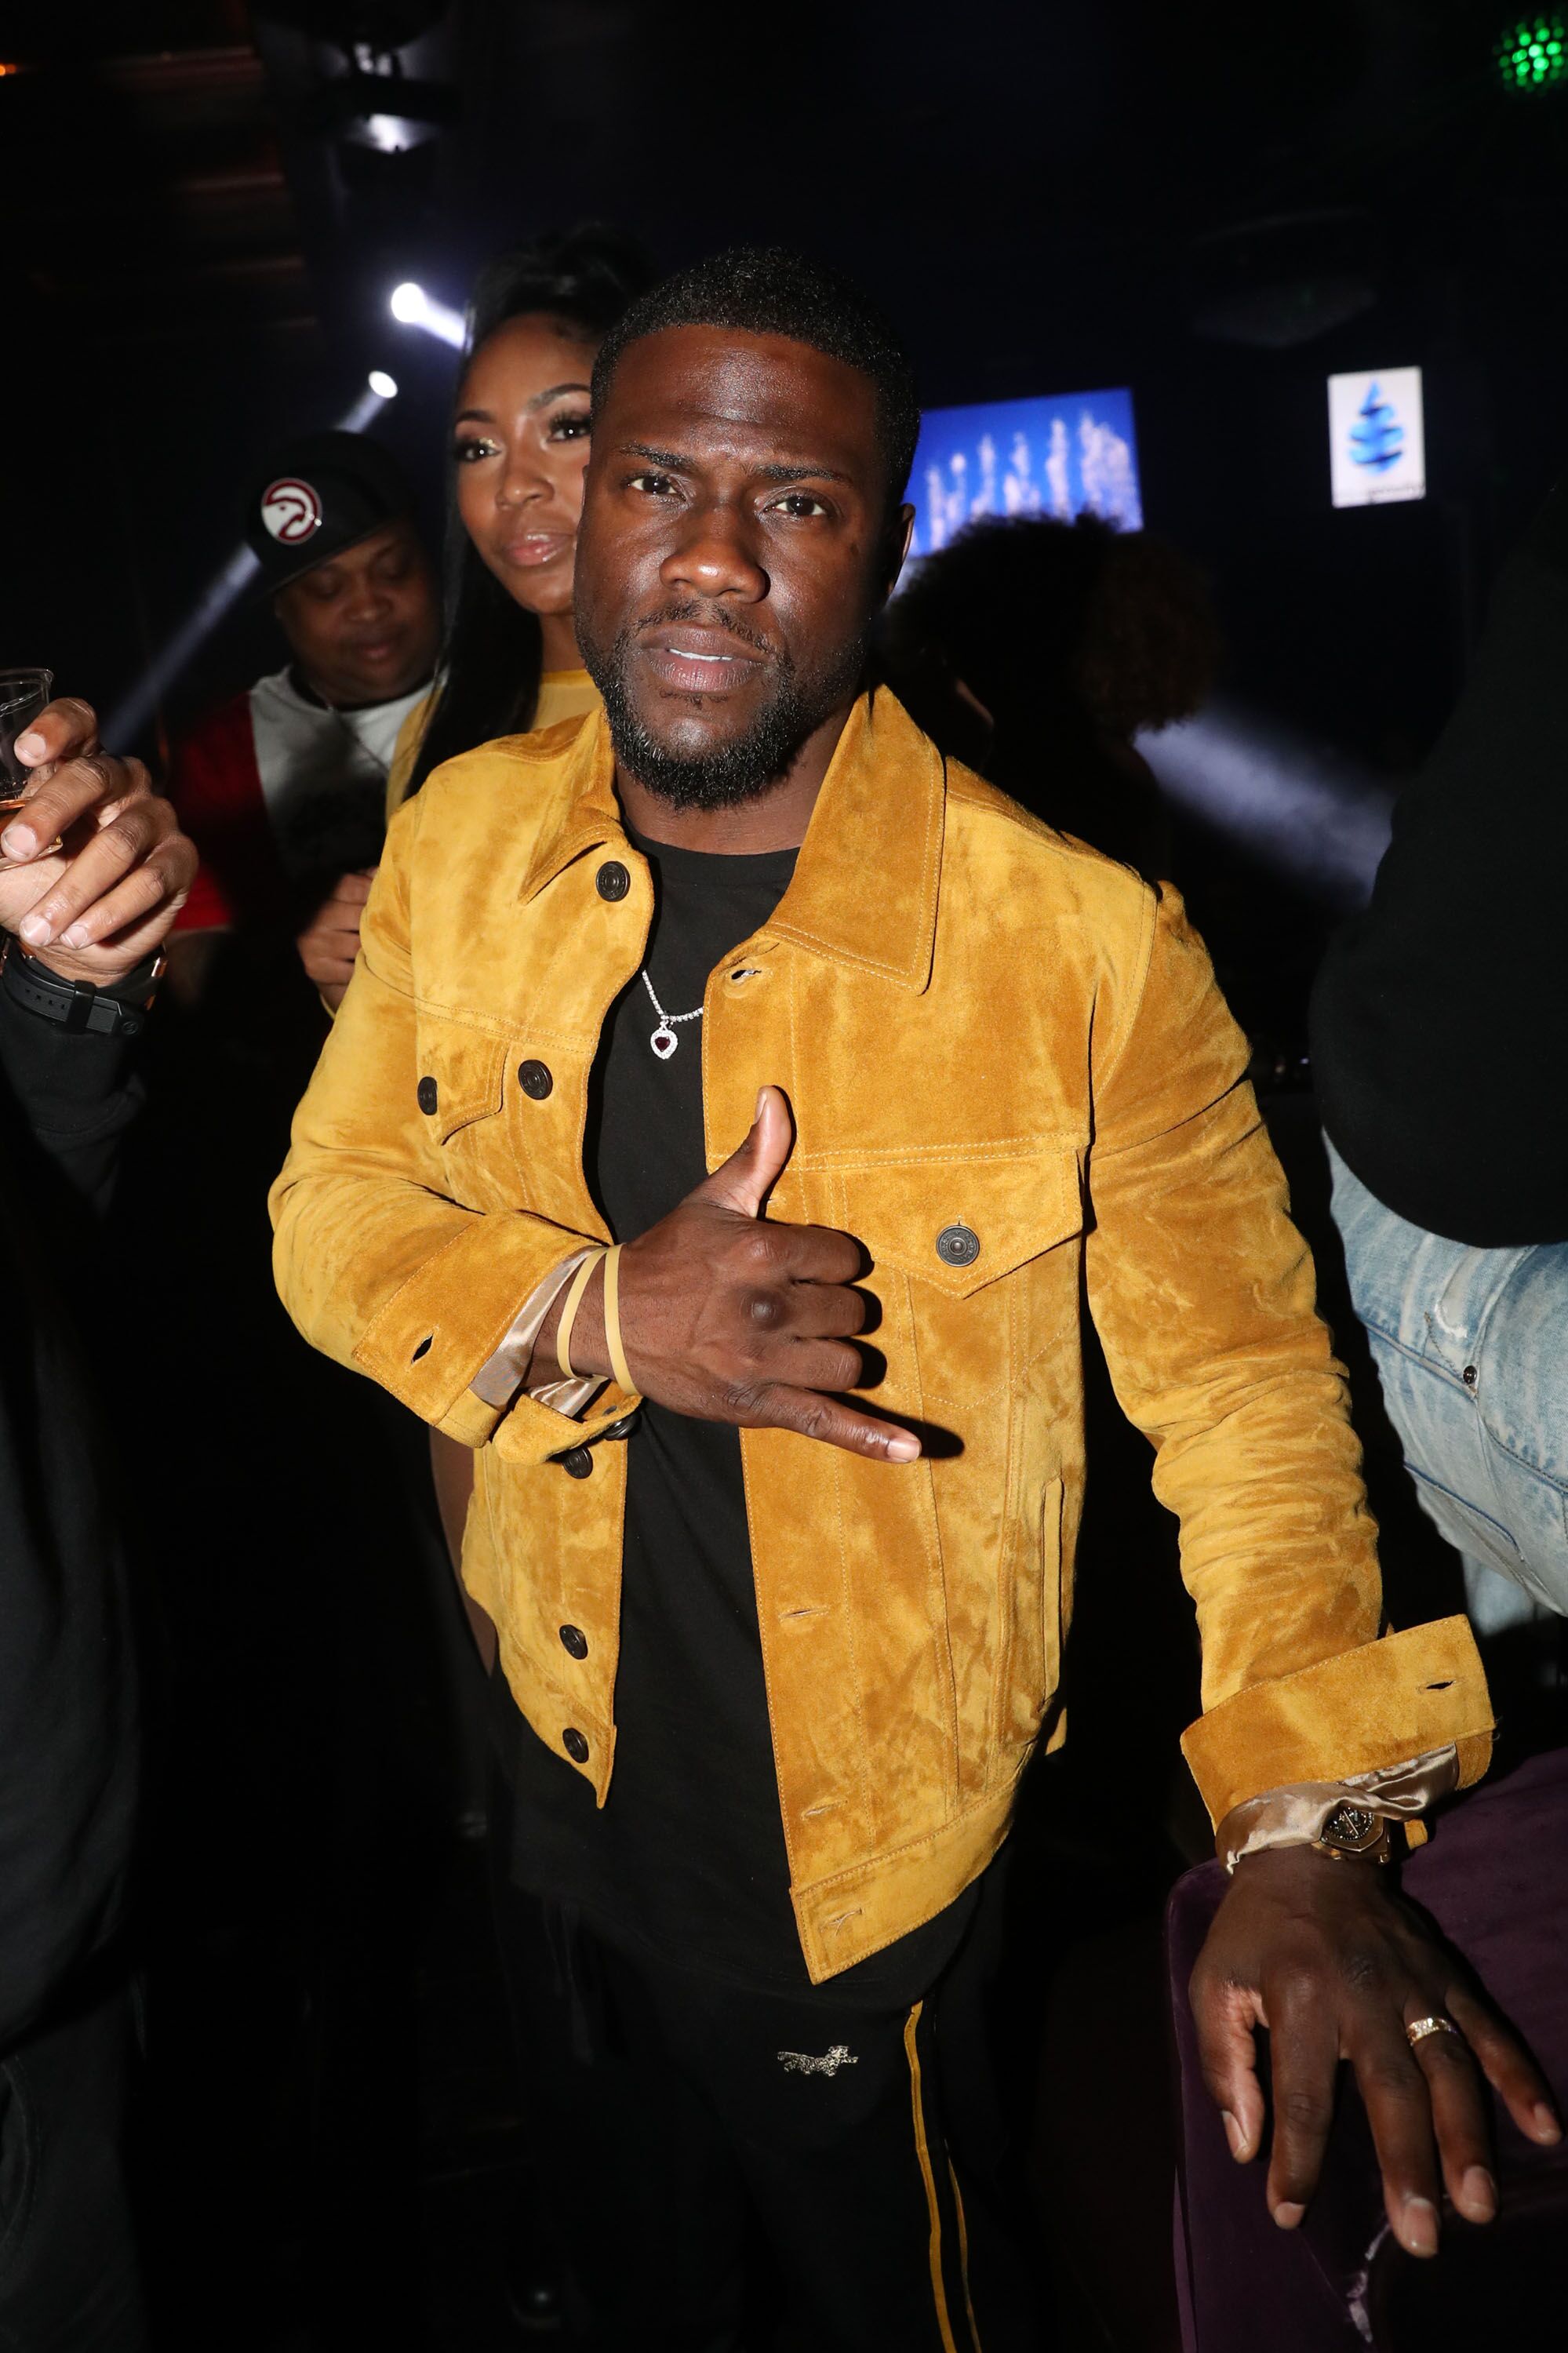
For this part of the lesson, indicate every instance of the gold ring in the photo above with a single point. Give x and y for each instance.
(1420, 2028)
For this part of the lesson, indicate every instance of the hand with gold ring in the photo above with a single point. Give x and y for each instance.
(1333, 1961)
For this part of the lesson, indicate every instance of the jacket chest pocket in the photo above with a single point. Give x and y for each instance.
(960, 1261)
(460, 1091)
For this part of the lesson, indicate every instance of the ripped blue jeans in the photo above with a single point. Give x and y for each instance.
(1472, 1347)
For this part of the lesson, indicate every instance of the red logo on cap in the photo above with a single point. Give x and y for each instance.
(291, 511)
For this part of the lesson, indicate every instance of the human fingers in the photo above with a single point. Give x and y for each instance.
(142, 846)
(1506, 2066)
(350, 891)
(329, 972)
(1226, 2014)
(159, 884)
(825, 1310)
(68, 793)
(748, 1176)
(1399, 2110)
(831, 1365)
(1303, 2052)
(61, 730)
(333, 937)
(326, 935)
(1459, 2116)
(777, 1405)
(814, 1254)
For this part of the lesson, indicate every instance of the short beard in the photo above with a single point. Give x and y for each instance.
(733, 773)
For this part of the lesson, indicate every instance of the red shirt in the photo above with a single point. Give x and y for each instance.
(281, 794)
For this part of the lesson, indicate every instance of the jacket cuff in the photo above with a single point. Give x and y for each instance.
(499, 1379)
(444, 1323)
(1299, 1816)
(1362, 1712)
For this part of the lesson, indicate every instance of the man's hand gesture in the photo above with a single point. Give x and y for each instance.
(726, 1316)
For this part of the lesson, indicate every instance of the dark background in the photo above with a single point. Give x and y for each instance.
(1216, 203)
(1044, 196)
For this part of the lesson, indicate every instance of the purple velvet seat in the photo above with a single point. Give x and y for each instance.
(1495, 1878)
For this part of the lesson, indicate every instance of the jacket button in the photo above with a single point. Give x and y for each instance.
(612, 880)
(575, 1744)
(578, 1463)
(535, 1080)
(1470, 1377)
(574, 1642)
(426, 1095)
(623, 1429)
(957, 1246)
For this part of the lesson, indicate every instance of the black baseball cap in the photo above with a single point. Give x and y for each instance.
(320, 495)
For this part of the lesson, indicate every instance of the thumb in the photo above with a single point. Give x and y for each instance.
(1227, 2017)
(743, 1183)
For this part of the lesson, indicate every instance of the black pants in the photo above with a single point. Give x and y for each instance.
(70, 2276)
(682, 2117)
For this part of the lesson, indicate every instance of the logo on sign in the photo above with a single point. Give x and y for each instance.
(1377, 437)
(291, 511)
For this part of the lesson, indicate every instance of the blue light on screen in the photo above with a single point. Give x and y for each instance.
(1062, 455)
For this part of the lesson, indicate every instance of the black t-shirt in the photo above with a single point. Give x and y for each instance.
(687, 1859)
(1440, 1018)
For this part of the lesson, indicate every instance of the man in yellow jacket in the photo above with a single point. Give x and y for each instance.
(689, 1044)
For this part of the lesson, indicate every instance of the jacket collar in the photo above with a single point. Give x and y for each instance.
(866, 884)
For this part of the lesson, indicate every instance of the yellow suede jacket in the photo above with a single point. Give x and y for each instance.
(1015, 1079)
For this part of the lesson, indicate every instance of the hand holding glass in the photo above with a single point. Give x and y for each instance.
(23, 695)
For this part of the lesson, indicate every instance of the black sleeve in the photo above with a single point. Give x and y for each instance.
(68, 1687)
(1440, 1018)
(72, 1094)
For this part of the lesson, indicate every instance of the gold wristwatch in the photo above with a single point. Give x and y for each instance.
(1353, 1832)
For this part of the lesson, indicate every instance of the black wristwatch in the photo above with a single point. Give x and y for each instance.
(119, 1012)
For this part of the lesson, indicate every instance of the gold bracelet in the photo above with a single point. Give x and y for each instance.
(612, 1339)
(580, 1283)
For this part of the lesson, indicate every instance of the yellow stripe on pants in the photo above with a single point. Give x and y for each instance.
(923, 2151)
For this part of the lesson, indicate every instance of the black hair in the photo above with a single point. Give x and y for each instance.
(491, 653)
(1033, 648)
(770, 290)
(1077, 616)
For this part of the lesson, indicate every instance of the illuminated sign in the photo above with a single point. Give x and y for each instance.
(1058, 456)
(1377, 443)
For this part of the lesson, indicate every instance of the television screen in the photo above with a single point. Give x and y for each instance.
(1377, 443)
(1062, 455)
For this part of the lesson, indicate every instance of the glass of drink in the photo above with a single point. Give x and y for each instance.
(23, 694)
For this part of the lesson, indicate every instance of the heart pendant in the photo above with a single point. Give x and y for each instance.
(663, 1041)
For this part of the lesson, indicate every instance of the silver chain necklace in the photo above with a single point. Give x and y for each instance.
(663, 1040)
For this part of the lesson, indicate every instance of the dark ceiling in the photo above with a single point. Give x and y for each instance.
(1215, 202)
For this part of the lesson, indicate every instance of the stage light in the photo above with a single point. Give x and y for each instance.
(412, 307)
(1533, 53)
(382, 385)
(371, 402)
(1301, 809)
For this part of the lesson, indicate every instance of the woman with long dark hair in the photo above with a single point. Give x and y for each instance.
(520, 441)
(509, 659)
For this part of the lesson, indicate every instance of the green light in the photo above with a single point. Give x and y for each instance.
(1531, 54)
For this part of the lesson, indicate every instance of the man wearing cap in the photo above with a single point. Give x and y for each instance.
(284, 787)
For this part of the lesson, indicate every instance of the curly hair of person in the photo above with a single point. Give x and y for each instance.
(1117, 626)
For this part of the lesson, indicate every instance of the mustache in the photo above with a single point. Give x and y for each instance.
(709, 617)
